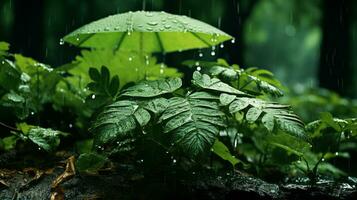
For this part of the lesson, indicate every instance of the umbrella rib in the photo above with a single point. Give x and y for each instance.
(160, 42)
(121, 39)
(204, 41)
(85, 39)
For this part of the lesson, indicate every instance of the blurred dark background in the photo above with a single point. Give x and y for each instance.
(304, 42)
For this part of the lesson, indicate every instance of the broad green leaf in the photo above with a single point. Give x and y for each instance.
(8, 143)
(268, 122)
(45, 138)
(90, 162)
(118, 120)
(153, 88)
(223, 152)
(206, 82)
(157, 106)
(193, 123)
(94, 74)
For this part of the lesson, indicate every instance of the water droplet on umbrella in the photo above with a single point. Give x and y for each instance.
(149, 29)
(129, 32)
(152, 23)
(149, 14)
(167, 26)
(106, 29)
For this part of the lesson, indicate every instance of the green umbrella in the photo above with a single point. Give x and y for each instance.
(146, 32)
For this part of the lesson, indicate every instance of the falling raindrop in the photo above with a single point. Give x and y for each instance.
(174, 161)
(129, 32)
(233, 41)
(32, 113)
(198, 68)
(77, 39)
(161, 71)
(221, 45)
(336, 153)
(197, 63)
(130, 59)
(61, 41)
(200, 54)
(93, 96)
(213, 53)
(323, 159)
(70, 125)
(193, 173)
(39, 148)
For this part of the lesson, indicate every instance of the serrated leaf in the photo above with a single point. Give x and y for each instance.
(253, 114)
(153, 88)
(193, 123)
(223, 152)
(206, 82)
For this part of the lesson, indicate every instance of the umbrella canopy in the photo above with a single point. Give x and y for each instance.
(146, 32)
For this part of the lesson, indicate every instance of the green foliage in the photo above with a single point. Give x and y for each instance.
(191, 123)
(222, 151)
(90, 162)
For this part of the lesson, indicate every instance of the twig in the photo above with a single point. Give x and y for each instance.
(9, 127)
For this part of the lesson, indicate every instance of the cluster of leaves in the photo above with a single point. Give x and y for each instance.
(192, 121)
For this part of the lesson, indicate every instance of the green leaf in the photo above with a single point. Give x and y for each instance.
(153, 88)
(45, 138)
(206, 82)
(253, 114)
(223, 152)
(193, 123)
(328, 119)
(94, 74)
(157, 106)
(8, 143)
(114, 86)
(90, 162)
(268, 122)
(274, 115)
(226, 99)
(4, 47)
(119, 119)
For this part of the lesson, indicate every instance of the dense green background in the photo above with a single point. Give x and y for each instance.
(283, 36)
